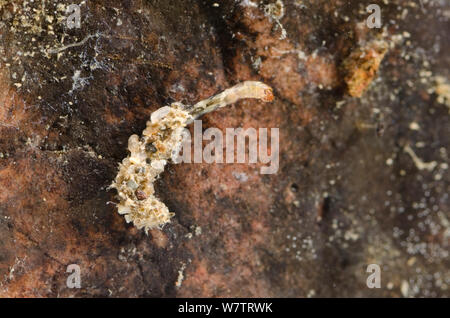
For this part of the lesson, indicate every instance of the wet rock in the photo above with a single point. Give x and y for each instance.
(71, 97)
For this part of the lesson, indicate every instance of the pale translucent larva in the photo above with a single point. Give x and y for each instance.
(150, 153)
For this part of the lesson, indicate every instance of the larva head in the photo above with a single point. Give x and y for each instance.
(268, 95)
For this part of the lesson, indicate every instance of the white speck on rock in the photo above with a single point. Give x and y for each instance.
(180, 275)
(78, 81)
(404, 288)
(240, 176)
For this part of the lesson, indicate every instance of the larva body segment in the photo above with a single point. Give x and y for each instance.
(248, 89)
(150, 153)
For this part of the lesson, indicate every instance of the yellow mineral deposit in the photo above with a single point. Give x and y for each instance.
(361, 66)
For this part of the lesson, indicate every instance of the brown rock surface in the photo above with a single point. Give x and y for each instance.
(346, 194)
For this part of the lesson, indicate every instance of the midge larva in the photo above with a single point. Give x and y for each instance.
(160, 139)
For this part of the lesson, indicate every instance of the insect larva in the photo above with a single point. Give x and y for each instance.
(150, 153)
